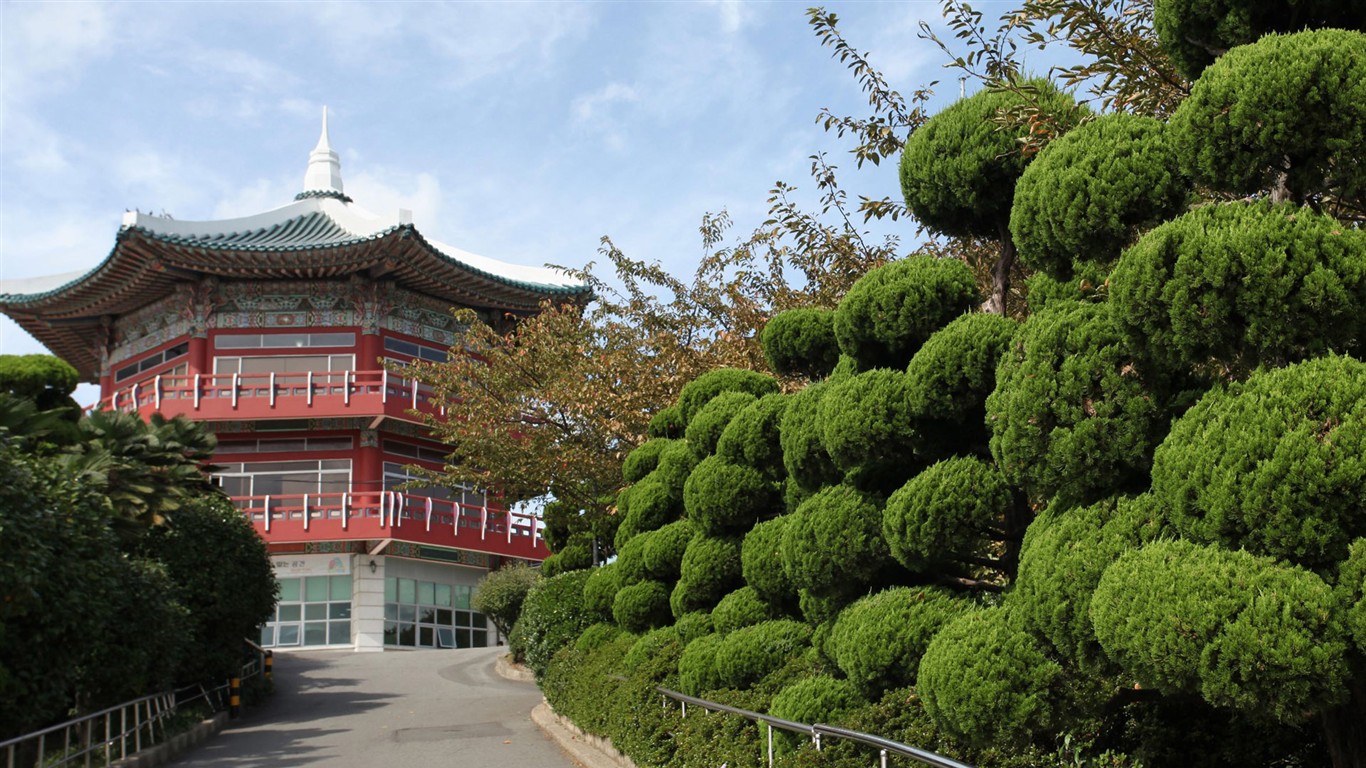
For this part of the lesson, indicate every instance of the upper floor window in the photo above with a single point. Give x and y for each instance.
(413, 349)
(153, 361)
(285, 364)
(282, 340)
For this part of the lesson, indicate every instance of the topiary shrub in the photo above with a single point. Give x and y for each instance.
(642, 606)
(1195, 32)
(1242, 631)
(878, 640)
(805, 458)
(723, 498)
(949, 379)
(552, 617)
(1181, 297)
(691, 626)
(801, 342)
(1285, 113)
(1070, 415)
(819, 611)
(652, 504)
(643, 460)
(676, 462)
(702, 389)
(601, 590)
(761, 561)
(941, 515)
(740, 608)
(667, 423)
(866, 424)
(986, 682)
(1061, 562)
(697, 666)
(752, 439)
(574, 556)
(893, 309)
(1276, 465)
(664, 550)
(598, 635)
(818, 699)
(1085, 195)
(833, 543)
(664, 642)
(1351, 593)
(709, 571)
(706, 426)
(630, 562)
(748, 654)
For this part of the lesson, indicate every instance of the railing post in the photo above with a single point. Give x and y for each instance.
(384, 386)
(272, 389)
(268, 667)
(156, 391)
(383, 515)
(136, 392)
(267, 514)
(770, 745)
(346, 508)
(306, 515)
(234, 697)
(507, 520)
(236, 382)
(484, 522)
(196, 391)
(346, 388)
(309, 394)
(883, 754)
(429, 513)
(414, 386)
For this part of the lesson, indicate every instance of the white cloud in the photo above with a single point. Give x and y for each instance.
(258, 196)
(735, 15)
(45, 44)
(385, 190)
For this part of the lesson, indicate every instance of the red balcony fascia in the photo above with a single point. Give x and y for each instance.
(394, 515)
(232, 396)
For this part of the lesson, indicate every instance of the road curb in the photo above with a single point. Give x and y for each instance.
(511, 670)
(585, 749)
(176, 746)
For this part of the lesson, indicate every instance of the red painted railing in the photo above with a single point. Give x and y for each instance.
(275, 395)
(394, 515)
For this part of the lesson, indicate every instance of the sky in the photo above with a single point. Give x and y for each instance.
(522, 131)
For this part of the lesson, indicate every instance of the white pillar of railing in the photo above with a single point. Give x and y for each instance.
(456, 511)
(398, 511)
(114, 401)
(484, 522)
(346, 508)
(156, 391)
(309, 395)
(507, 520)
(383, 517)
(267, 513)
(306, 515)
(429, 513)
(136, 404)
(413, 384)
(384, 386)
(272, 389)
(196, 391)
(236, 380)
(346, 388)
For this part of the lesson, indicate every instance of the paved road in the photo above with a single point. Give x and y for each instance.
(386, 710)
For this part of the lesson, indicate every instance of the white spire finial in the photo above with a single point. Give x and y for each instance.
(324, 166)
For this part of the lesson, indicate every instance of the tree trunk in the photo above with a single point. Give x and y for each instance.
(1000, 274)
(1344, 728)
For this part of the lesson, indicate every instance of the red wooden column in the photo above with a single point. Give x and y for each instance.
(371, 350)
(367, 472)
(200, 359)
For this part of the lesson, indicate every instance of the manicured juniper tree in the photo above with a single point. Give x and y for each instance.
(1196, 32)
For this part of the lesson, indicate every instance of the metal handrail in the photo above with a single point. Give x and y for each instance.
(815, 731)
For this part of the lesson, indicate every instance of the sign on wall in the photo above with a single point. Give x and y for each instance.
(311, 565)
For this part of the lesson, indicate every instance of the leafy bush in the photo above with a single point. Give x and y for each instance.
(652, 503)
(986, 682)
(833, 543)
(761, 562)
(577, 682)
(748, 654)
(1195, 32)
(706, 426)
(676, 461)
(710, 570)
(878, 640)
(553, 616)
(801, 342)
(866, 423)
(818, 699)
(667, 423)
(664, 550)
(642, 606)
(722, 498)
(894, 308)
(499, 595)
(598, 635)
(753, 439)
(661, 642)
(1287, 110)
(1276, 465)
(1351, 593)
(1070, 415)
(1086, 193)
(630, 562)
(574, 556)
(1242, 631)
(940, 515)
(1180, 297)
(643, 460)
(700, 391)
(691, 626)
(949, 379)
(740, 608)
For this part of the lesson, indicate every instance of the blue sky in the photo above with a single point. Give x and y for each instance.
(519, 131)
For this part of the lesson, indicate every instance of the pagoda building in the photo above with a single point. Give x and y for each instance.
(272, 331)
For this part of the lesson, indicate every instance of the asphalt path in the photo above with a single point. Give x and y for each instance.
(386, 710)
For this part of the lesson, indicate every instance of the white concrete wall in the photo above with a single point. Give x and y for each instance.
(367, 603)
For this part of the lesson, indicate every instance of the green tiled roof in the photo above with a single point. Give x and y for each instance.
(307, 232)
